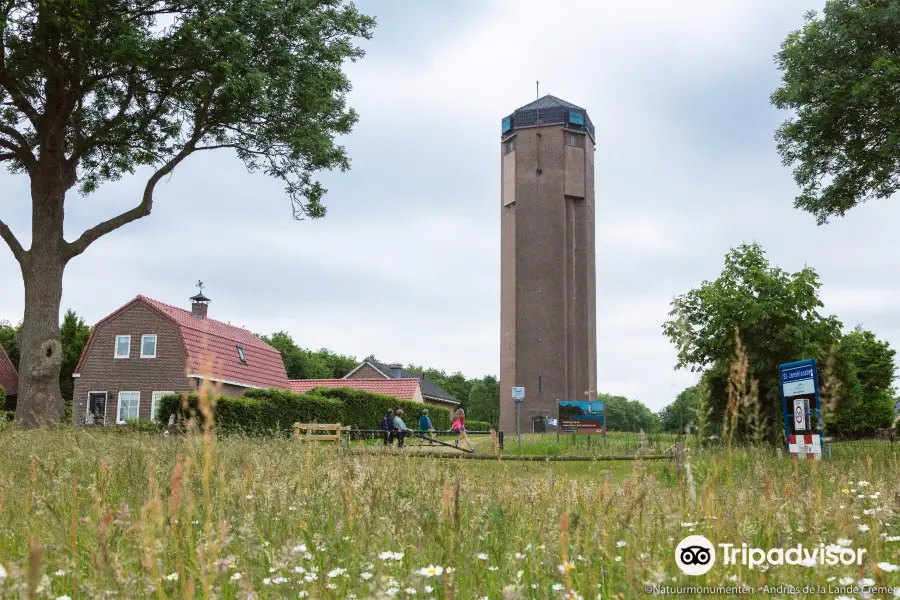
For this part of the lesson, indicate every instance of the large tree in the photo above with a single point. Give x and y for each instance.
(92, 90)
(841, 79)
(73, 337)
(776, 314)
(681, 415)
(484, 400)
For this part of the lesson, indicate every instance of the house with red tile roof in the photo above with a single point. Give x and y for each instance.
(148, 349)
(9, 380)
(402, 389)
(372, 368)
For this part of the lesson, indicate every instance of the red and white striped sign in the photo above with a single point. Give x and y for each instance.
(805, 447)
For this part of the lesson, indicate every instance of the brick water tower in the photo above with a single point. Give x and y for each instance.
(548, 302)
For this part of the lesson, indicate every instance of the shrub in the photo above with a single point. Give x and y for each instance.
(365, 409)
(473, 425)
(2, 398)
(259, 412)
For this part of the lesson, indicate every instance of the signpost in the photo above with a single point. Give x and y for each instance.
(518, 395)
(799, 402)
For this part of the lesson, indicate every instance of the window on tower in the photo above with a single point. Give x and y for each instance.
(509, 146)
(574, 139)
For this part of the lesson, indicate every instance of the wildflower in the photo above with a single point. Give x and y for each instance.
(732, 578)
(236, 576)
(830, 579)
(59, 573)
(300, 549)
(519, 556)
(557, 587)
(2, 573)
(249, 496)
(431, 571)
(292, 508)
(391, 591)
(346, 538)
(644, 556)
(303, 594)
(307, 556)
(618, 559)
(309, 577)
(279, 579)
(808, 562)
(869, 511)
(366, 576)
(892, 538)
(863, 484)
(335, 572)
(688, 524)
(331, 586)
(565, 567)
(267, 581)
(271, 569)
(866, 582)
(170, 576)
(580, 558)
(519, 574)
(845, 580)
(534, 586)
(863, 527)
(844, 542)
(620, 544)
(888, 567)
(64, 597)
(449, 570)
(492, 568)
(481, 556)
(845, 490)
(428, 589)
(410, 591)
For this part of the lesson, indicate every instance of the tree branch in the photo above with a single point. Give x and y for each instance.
(10, 239)
(20, 151)
(90, 236)
(19, 100)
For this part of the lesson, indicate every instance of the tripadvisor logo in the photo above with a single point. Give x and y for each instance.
(695, 555)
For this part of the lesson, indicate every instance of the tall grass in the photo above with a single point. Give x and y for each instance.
(98, 513)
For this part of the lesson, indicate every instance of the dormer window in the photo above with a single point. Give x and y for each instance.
(241, 355)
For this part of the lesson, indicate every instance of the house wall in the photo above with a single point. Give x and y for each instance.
(101, 372)
(367, 371)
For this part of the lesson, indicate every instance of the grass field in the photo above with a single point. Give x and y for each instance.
(90, 514)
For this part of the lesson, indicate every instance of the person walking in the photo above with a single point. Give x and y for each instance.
(426, 428)
(400, 428)
(459, 425)
(387, 426)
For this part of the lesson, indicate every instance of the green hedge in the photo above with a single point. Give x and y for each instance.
(269, 411)
(365, 409)
(473, 425)
(265, 413)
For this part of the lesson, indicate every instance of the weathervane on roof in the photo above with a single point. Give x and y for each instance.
(200, 286)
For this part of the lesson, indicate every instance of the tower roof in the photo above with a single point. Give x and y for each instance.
(548, 110)
(549, 101)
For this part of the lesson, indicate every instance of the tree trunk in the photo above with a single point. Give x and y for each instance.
(40, 402)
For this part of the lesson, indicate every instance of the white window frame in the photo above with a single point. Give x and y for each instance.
(155, 397)
(116, 350)
(119, 419)
(155, 342)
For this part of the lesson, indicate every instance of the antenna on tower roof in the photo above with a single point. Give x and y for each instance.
(537, 85)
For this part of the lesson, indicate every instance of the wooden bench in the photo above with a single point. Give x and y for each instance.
(317, 432)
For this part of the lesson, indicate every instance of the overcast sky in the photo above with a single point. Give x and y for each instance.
(406, 265)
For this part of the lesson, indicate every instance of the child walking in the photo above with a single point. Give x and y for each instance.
(425, 427)
(459, 425)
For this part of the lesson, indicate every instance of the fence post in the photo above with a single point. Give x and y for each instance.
(500, 438)
(679, 449)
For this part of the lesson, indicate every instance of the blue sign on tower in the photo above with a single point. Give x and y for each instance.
(507, 125)
(576, 118)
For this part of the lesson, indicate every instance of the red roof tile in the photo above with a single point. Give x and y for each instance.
(404, 389)
(211, 348)
(8, 377)
(213, 344)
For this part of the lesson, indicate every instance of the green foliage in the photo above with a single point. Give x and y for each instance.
(840, 74)
(363, 410)
(2, 397)
(623, 414)
(484, 400)
(776, 314)
(73, 335)
(262, 412)
(9, 339)
(865, 371)
(475, 425)
(456, 384)
(681, 415)
(138, 426)
(307, 364)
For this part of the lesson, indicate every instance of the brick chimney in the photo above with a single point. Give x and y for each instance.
(199, 306)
